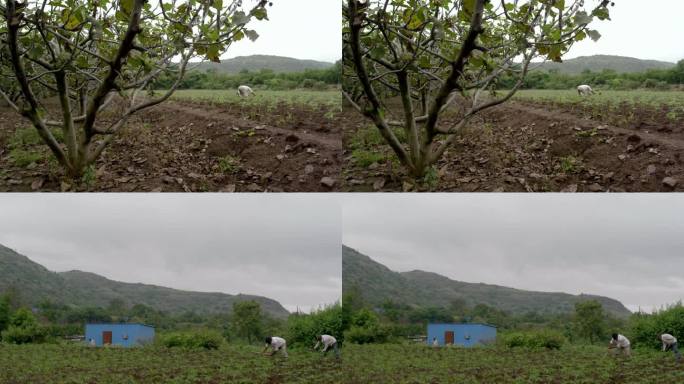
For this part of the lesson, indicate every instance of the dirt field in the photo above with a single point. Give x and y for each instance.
(189, 145)
(530, 145)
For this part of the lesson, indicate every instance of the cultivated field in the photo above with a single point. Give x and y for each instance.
(66, 364)
(199, 141)
(422, 364)
(542, 140)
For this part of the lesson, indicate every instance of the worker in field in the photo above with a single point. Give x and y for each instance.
(327, 342)
(276, 344)
(621, 344)
(435, 343)
(670, 343)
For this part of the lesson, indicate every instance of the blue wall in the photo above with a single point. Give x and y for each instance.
(465, 335)
(125, 335)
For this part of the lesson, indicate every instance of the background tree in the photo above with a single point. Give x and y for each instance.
(247, 319)
(589, 320)
(439, 53)
(93, 54)
(5, 312)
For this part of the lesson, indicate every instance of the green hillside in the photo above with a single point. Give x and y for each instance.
(34, 283)
(597, 63)
(254, 63)
(377, 284)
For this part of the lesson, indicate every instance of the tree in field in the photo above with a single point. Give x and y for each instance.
(5, 312)
(247, 319)
(98, 57)
(440, 55)
(589, 320)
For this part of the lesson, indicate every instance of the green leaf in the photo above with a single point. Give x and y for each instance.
(252, 35)
(240, 18)
(126, 6)
(260, 13)
(213, 53)
(593, 34)
(560, 4)
(582, 18)
(467, 9)
(601, 13)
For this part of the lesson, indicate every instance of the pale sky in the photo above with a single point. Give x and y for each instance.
(282, 246)
(303, 29)
(629, 247)
(652, 30)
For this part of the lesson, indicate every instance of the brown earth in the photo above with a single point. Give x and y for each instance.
(192, 146)
(518, 147)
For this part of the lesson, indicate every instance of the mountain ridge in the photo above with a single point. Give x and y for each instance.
(255, 63)
(418, 288)
(597, 63)
(36, 283)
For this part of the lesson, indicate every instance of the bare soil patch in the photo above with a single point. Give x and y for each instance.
(518, 147)
(193, 146)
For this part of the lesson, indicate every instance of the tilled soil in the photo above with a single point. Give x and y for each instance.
(190, 146)
(519, 147)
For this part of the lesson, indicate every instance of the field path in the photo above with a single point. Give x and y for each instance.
(656, 137)
(220, 115)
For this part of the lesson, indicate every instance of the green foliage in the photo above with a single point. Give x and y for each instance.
(229, 164)
(660, 79)
(365, 158)
(23, 328)
(5, 313)
(66, 363)
(547, 339)
(247, 320)
(365, 328)
(302, 329)
(569, 163)
(313, 79)
(197, 339)
(420, 364)
(645, 329)
(22, 158)
(589, 320)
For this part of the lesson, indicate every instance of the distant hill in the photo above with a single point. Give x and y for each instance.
(35, 283)
(255, 63)
(377, 283)
(597, 63)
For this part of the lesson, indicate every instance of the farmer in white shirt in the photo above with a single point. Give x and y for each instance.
(435, 343)
(276, 344)
(621, 343)
(670, 343)
(328, 342)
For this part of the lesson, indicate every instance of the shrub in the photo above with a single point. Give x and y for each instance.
(535, 339)
(304, 328)
(645, 328)
(32, 333)
(364, 335)
(207, 339)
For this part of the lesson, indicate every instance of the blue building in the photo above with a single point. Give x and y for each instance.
(464, 335)
(125, 335)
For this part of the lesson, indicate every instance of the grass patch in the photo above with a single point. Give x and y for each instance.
(229, 164)
(22, 157)
(364, 158)
(570, 164)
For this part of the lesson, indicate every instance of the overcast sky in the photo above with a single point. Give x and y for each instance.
(303, 29)
(286, 247)
(626, 246)
(643, 29)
